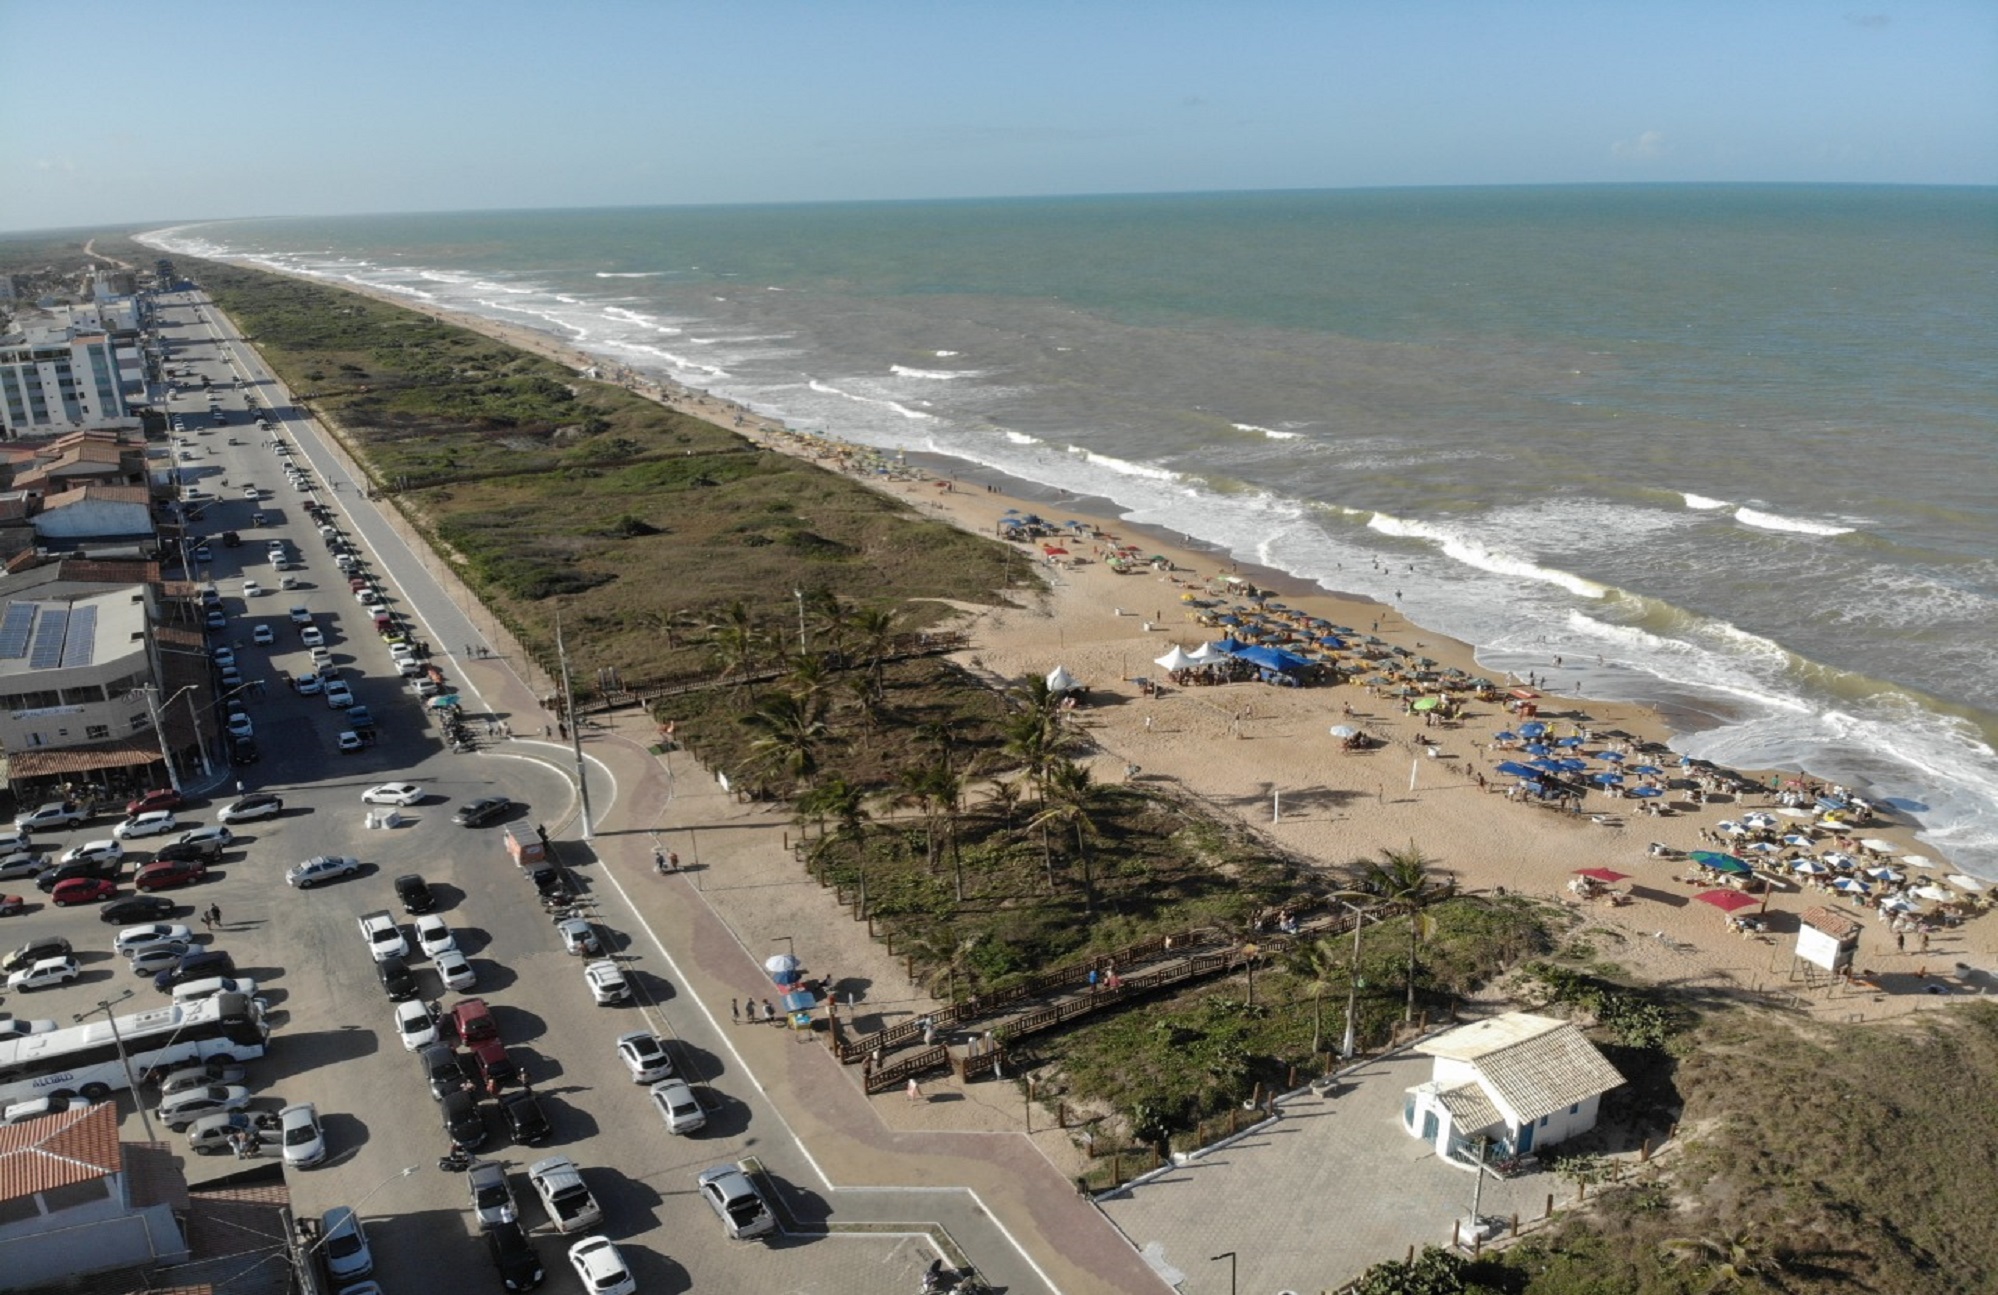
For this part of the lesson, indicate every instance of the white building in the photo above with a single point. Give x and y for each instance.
(55, 380)
(1519, 1081)
(73, 678)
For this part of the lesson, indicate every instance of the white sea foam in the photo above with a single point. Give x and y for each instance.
(945, 355)
(1271, 432)
(1776, 522)
(1703, 503)
(631, 274)
(1124, 467)
(1475, 553)
(935, 375)
(1021, 438)
(827, 389)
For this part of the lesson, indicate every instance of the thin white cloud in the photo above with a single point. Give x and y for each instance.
(1651, 144)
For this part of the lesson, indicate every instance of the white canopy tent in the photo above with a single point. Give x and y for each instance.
(1177, 659)
(1060, 680)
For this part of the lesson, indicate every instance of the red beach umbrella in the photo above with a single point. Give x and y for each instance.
(1727, 901)
(1607, 875)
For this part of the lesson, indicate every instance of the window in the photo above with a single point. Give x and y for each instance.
(96, 732)
(141, 722)
(1544, 1119)
(1576, 1109)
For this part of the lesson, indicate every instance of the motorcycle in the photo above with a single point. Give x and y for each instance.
(457, 1161)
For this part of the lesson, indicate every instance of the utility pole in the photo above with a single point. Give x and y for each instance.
(1349, 1045)
(166, 748)
(575, 729)
(117, 1041)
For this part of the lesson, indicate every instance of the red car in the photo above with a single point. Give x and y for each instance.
(12, 904)
(158, 798)
(82, 890)
(165, 874)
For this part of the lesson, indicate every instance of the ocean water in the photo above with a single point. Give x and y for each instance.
(1729, 450)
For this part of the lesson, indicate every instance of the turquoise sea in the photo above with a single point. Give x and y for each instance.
(1731, 450)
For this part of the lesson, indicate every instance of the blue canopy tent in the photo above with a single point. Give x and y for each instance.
(1270, 658)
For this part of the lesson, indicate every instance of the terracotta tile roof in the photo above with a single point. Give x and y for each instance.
(50, 762)
(1835, 924)
(96, 493)
(1470, 1110)
(57, 1150)
(110, 571)
(1535, 1065)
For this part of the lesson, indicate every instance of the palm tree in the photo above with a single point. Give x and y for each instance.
(837, 799)
(875, 629)
(925, 786)
(1069, 803)
(1324, 966)
(1003, 798)
(832, 619)
(809, 675)
(791, 733)
(1402, 877)
(1730, 1260)
(737, 642)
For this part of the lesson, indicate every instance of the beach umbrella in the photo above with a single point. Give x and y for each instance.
(1344, 730)
(1791, 811)
(1532, 728)
(1851, 886)
(1602, 874)
(1614, 757)
(1878, 846)
(1883, 874)
(1648, 770)
(1760, 821)
(1505, 735)
(799, 1000)
(1763, 847)
(782, 968)
(1054, 550)
(1426, 703)
(1810, 868)
(1545, 766)
(1727, 901)
(1537, 748)
(1060, 680)
(1961, 882)
(1228, 620)
(1934, 894)
(1730, 827)
(1898, 905)
(1609, 779)
(1918, 861)
(1721, 862)
(1568, 741)
(1570, 764)
(1839, 859)
(1511, 768)
(1644, 793)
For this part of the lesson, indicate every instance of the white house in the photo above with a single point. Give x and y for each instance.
(1521, 1081)
(71, 1202)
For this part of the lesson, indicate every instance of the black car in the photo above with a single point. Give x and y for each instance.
(135, 909)
(462, 1122)
(48, 946)
(414, 892)
(525, 1120)
(231, 539)
(478, 813)
(551, 880)
(196, 966)
(398, 981)
(443, 1069)
(202, 851)
(104, 869)
(519, 1268)
(243, 750)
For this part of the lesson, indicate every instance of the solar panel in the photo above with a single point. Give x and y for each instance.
(20, 619)
(46, 654)
(79, 646)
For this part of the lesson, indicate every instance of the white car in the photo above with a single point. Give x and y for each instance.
(155, 822)
(644, 1055)
(240, 726)
(413, 1024)
(224, 658)
(366, 597)
(350, 742)
(251, 589)
(393, 793)
(252, 807)
(455, 970)
(299, 615)
(606, 981)
(263, 636)
(433, 936)
(47, 972)
(384, 936)
(138, 937)
(312, 636)
(677, 1106)
(184, 1108)
(92, 852)
(338, 695)
(34, 1108)
(309, 685)
(304, 1142)
(601, 1268)
(320, 656)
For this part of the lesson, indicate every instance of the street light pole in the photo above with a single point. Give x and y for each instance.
(117, 1041)
(575, 729)
(799, 594)
(1229, 1255)
(159, 730)
(1349, 1045)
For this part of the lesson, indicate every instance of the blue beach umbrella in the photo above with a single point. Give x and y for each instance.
(1614, 757)
(1644, 793)
(1609, 779)
(1514, 769)
(1546, 766)
(1506, 735)
(1532, 728)
(1569, 741)
(1721, 862)
(1568, 764)
(1648, 770)
(1538, 748)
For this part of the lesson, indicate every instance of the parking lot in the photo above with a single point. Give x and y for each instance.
(334, 1041)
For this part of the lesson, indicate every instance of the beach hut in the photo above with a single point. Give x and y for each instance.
(1827, 939)
(1517, 1082)
(1177, 659)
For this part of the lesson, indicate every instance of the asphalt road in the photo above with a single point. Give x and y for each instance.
(334, 1042)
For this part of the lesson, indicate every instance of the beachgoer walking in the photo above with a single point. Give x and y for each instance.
(915, 1090)
(215, 914)
(769, 1012)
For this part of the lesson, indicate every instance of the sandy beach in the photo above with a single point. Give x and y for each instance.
(1265, 755)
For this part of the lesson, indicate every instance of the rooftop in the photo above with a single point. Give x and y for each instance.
(58, 634)
(1534, 1064)
(57, 1150)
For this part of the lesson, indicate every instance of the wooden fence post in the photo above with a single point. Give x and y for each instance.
(1548, 1213)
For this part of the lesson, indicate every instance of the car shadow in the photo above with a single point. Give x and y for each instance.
(492, 975)
(518, 1025)
(472, 940)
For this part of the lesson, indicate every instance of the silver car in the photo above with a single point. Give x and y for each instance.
(492, 1196)
(184, 1108)
(304, 1142)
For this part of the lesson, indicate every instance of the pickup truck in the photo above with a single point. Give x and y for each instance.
(384, 935)
(564, 1194)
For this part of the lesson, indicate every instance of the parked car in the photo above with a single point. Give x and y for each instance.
(249, 808)
(433, 936)
(398, 981)
(82, 890)
(496, 1067)
(320, 869)
(98, 870)
(155, 958)
(478, 813)
(55, 816)
(311, 636)
(263, 636)
(199, 965)
(154, 822)
(46, 946)
(472, 1021)
(299, 1133)
(12, 905)
(578, 936)
(644, 1055)
(607, 983)
(677, 1106)
(526, 1122)
(415, 894)
(217, 837)
(169, 874)
(443, 1069)
(384, 937)
(455, 970)
(34, 1108)
(414, 1025)
(92, 850)
(338, 695)
(211, 1135)
(193, 991)
(45, 974)
(736, 1202)
(601, 1268)
(492, 1197)
(513, 1256)
(157, 798)
(299, 615)
(133, 938)
(462, 1122)
(564, 1194)
(189, 1105)
(136, 908)
(393, 793)
(345, 1246)
(188, 1078)
(24, 864)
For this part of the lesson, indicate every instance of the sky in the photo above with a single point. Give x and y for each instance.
(123, 112)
